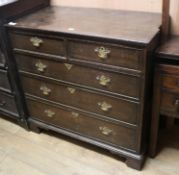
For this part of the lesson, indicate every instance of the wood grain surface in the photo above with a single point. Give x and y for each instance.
(49, 154)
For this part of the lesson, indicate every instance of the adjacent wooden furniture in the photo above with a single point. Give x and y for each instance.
(10, 101)
(166, 87)
(85, 73)
(163, 68)
(165, 29)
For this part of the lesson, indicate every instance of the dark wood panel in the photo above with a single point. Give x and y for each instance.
(35, 43)
(165, 21)
(7, 104)
(21, 7)
(2, 58)
(104, 53)
(168, 69)
(111, 107)
(4, 82)
(11, 10)
(170, 77)
(92, 78)
(169, 49)
(84, 125)
(170, 103)
(171, 82)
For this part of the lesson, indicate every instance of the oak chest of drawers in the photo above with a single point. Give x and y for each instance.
(88, 78)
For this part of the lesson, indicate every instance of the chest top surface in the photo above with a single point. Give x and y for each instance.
(170, 49)
(130, 26)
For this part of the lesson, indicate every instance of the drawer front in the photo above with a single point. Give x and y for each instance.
(80, 98)
(84, 125)
(7, 103)
(106, 81)
(4, 82)
(170, 103)
(171, 82)
(107, 54)
(38, 44)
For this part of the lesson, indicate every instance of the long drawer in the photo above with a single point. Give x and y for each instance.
(7, 104)
(84, 125)
(116, 108)
(4, 82)
(126, 85)
(40, 44)
(107, 54)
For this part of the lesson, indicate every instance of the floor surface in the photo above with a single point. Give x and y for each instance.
(28, 153)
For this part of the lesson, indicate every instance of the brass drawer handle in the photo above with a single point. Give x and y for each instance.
(71, 90)
(36, 42)
(102, 52)
(40, 66)
(75, 115)
(49, 113)
(103, 80)
(68, 66)
(105, 130)
(3, 103)
(104, 106)
(45, 90)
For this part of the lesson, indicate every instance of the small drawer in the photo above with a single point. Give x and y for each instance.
(108, 54)
(170, 103)
(118, 109)
(168, 69)
(35, 43)
(171, 82)
(126, 85)
(98, 129)
(4, 82)
(7, 104)
(169, 77)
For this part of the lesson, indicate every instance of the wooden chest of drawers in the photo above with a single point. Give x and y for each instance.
(87, 80)
(166, 88)
(8, 105)
(10, 101)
